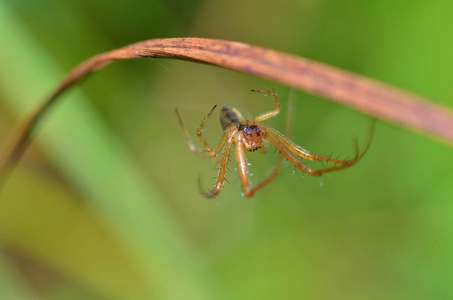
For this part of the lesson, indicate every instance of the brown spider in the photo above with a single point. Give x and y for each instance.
(250, 135)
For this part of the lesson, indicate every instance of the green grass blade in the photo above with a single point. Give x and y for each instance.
(88, 153)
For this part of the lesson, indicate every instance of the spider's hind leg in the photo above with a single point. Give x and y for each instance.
(212, 155)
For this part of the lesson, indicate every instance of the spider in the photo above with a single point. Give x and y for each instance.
(250, 135)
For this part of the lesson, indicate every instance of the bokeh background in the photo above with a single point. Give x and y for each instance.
(105, 203)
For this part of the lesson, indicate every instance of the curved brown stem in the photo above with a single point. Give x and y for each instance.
(360, 93)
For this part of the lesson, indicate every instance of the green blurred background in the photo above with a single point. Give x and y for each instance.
(105, 203)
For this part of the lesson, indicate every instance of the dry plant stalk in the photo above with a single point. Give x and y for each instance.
(357, 92)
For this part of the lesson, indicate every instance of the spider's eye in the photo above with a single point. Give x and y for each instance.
(252, 131)
(252, 138)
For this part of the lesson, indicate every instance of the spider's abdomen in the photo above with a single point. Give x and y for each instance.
(252, 137)
(229, 115)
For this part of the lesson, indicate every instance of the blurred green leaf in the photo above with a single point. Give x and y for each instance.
(12, 285)
(93, 160)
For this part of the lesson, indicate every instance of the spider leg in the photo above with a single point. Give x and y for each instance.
(200, 136)
(211, 154)
(305, 153)
(243, 173)
(290, 156)
(231, 133)
(279, 166)
(242, 168)
(287, 149)
(269, 114)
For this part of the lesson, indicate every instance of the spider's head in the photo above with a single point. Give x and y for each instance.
(252, 137)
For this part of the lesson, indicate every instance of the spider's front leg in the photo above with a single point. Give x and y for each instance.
(242, 168)
(269, 114)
